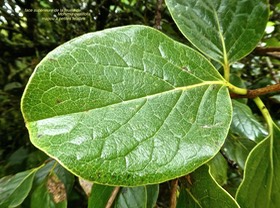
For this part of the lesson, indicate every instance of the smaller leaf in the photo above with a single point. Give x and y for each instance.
(100, 195)
(221, 29)
(132, 197)
(205, 192)
(14, 189)
(275, 98)
(43, 172)
(12, 86)
(238, 149)
(56, 188)
(52, 184)
(218, 169)
(18, 156)
(36, 157)
(128, 197)
(152, 195)
(65, 176)
(40, 196)
(245, 124)
(50, 193)
(261, 177)
(182, 201)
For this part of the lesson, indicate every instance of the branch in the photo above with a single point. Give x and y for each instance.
(173, 197)
(269, 51)
(158, 15)
(257, 92)
(263, 50)
(112, 197)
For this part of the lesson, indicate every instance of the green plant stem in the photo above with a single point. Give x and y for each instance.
(226, 63)
(270, 123)
(265, 113)
(236, 90)
(226, 70)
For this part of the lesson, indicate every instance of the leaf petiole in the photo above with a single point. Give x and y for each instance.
(265, 114)
(237, 90)
(226, 69)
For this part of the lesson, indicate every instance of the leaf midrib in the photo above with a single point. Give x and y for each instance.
(220, 82)
(225, 56)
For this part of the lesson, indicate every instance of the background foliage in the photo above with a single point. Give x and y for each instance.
(25, 38)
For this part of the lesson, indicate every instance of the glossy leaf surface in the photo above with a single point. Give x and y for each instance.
(132, 197)
(127, 106)
(237, 149)
(223, 30)
(152, 195)
(245, 124)
(261, 183)
(218, 169)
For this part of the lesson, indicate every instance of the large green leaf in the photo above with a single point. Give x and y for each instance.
(223, 30)
(127, 106)
(14, 189)
(261, 184)
(204, 191)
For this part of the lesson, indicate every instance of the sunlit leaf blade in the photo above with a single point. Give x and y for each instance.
(261, 184)
(132, 197)
(127, 106)
(14, 189)
(99, 196)
(204, 191)
(245, 124)
(221, 29)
